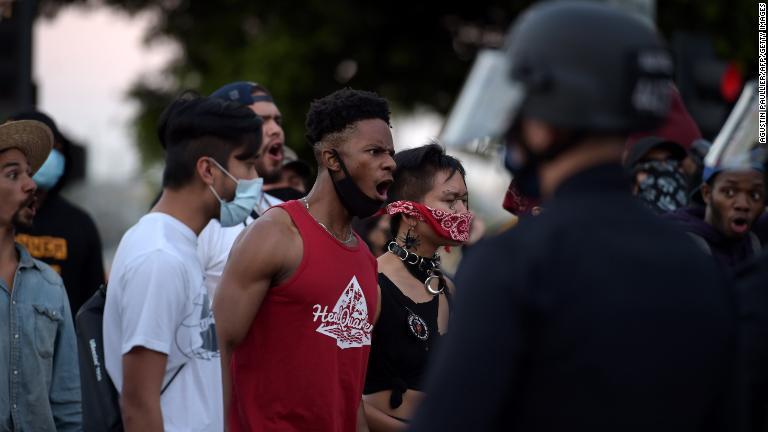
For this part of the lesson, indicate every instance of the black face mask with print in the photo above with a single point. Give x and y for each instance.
(354, 200)
(663, 186)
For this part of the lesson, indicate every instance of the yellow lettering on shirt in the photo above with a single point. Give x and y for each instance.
(42, 247)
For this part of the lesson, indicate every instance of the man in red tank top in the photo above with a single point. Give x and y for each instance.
(298, 297)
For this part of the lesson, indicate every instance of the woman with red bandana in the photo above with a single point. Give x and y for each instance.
(428, 203)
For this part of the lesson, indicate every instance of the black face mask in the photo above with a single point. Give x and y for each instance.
(286, 193)
(354, 200)
(664, 187)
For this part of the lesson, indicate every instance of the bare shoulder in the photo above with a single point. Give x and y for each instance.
(272, 241)
(272, 228)
(388, 263)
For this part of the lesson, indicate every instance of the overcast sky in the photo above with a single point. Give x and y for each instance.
(85, 60)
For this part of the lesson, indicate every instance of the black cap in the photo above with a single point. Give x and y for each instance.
(47, 120)
(644, 145)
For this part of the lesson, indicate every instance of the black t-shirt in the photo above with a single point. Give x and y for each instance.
(594, 316)
(403, 338)
(65, 237)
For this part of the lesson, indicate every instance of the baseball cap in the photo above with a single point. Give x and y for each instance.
(709, 172)
(242, 92)
(641, 147)
(32, 137)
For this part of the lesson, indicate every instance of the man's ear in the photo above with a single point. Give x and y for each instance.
(329, 158)
(706, 193)
(205, 169)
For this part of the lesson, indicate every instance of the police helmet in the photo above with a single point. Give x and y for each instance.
(574, 65)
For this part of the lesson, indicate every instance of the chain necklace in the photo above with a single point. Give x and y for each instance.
(350, 237)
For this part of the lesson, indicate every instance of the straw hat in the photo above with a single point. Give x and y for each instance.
(32, 137)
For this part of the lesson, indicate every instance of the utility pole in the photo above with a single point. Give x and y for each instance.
(17, 90)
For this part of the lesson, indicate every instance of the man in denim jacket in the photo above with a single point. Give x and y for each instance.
(39, 376)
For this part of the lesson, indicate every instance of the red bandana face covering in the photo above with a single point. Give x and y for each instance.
(517, 203)
(451, 226)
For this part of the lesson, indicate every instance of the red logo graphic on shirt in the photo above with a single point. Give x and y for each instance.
(348, 322)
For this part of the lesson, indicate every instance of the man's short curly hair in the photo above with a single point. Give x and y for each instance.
(341, 109)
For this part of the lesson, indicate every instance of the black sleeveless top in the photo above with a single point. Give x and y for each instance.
(398, 358)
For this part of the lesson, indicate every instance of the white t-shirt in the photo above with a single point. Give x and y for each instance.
(215, 241)
(156, 299)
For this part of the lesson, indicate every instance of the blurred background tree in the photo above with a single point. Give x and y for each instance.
(413, 53)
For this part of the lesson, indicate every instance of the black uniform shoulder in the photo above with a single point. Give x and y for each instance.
(499, 266)
(752, 279)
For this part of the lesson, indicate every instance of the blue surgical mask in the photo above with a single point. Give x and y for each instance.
(51, 171)
(247, 195)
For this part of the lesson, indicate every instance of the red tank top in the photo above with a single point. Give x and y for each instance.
(302, 365)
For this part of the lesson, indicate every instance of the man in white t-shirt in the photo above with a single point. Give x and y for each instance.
(160, 343)
(215, 242)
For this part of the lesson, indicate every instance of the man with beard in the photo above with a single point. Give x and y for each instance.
(39, 375)
(215, 241)
(296, 304)
(61, 234)
(260, 101)
(595, 315)
(735, 199)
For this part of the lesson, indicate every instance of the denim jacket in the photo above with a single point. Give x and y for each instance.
(39, 373)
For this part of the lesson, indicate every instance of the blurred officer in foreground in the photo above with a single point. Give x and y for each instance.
(593, 316)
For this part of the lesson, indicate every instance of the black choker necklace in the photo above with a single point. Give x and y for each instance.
(422, 268)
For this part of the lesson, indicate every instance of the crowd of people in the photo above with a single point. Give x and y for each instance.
(254, 296)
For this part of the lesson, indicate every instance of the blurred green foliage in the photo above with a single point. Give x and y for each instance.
(411, 52)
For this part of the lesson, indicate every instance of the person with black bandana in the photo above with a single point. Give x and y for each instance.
(595, 315)
(429, 206)
(658, 180)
